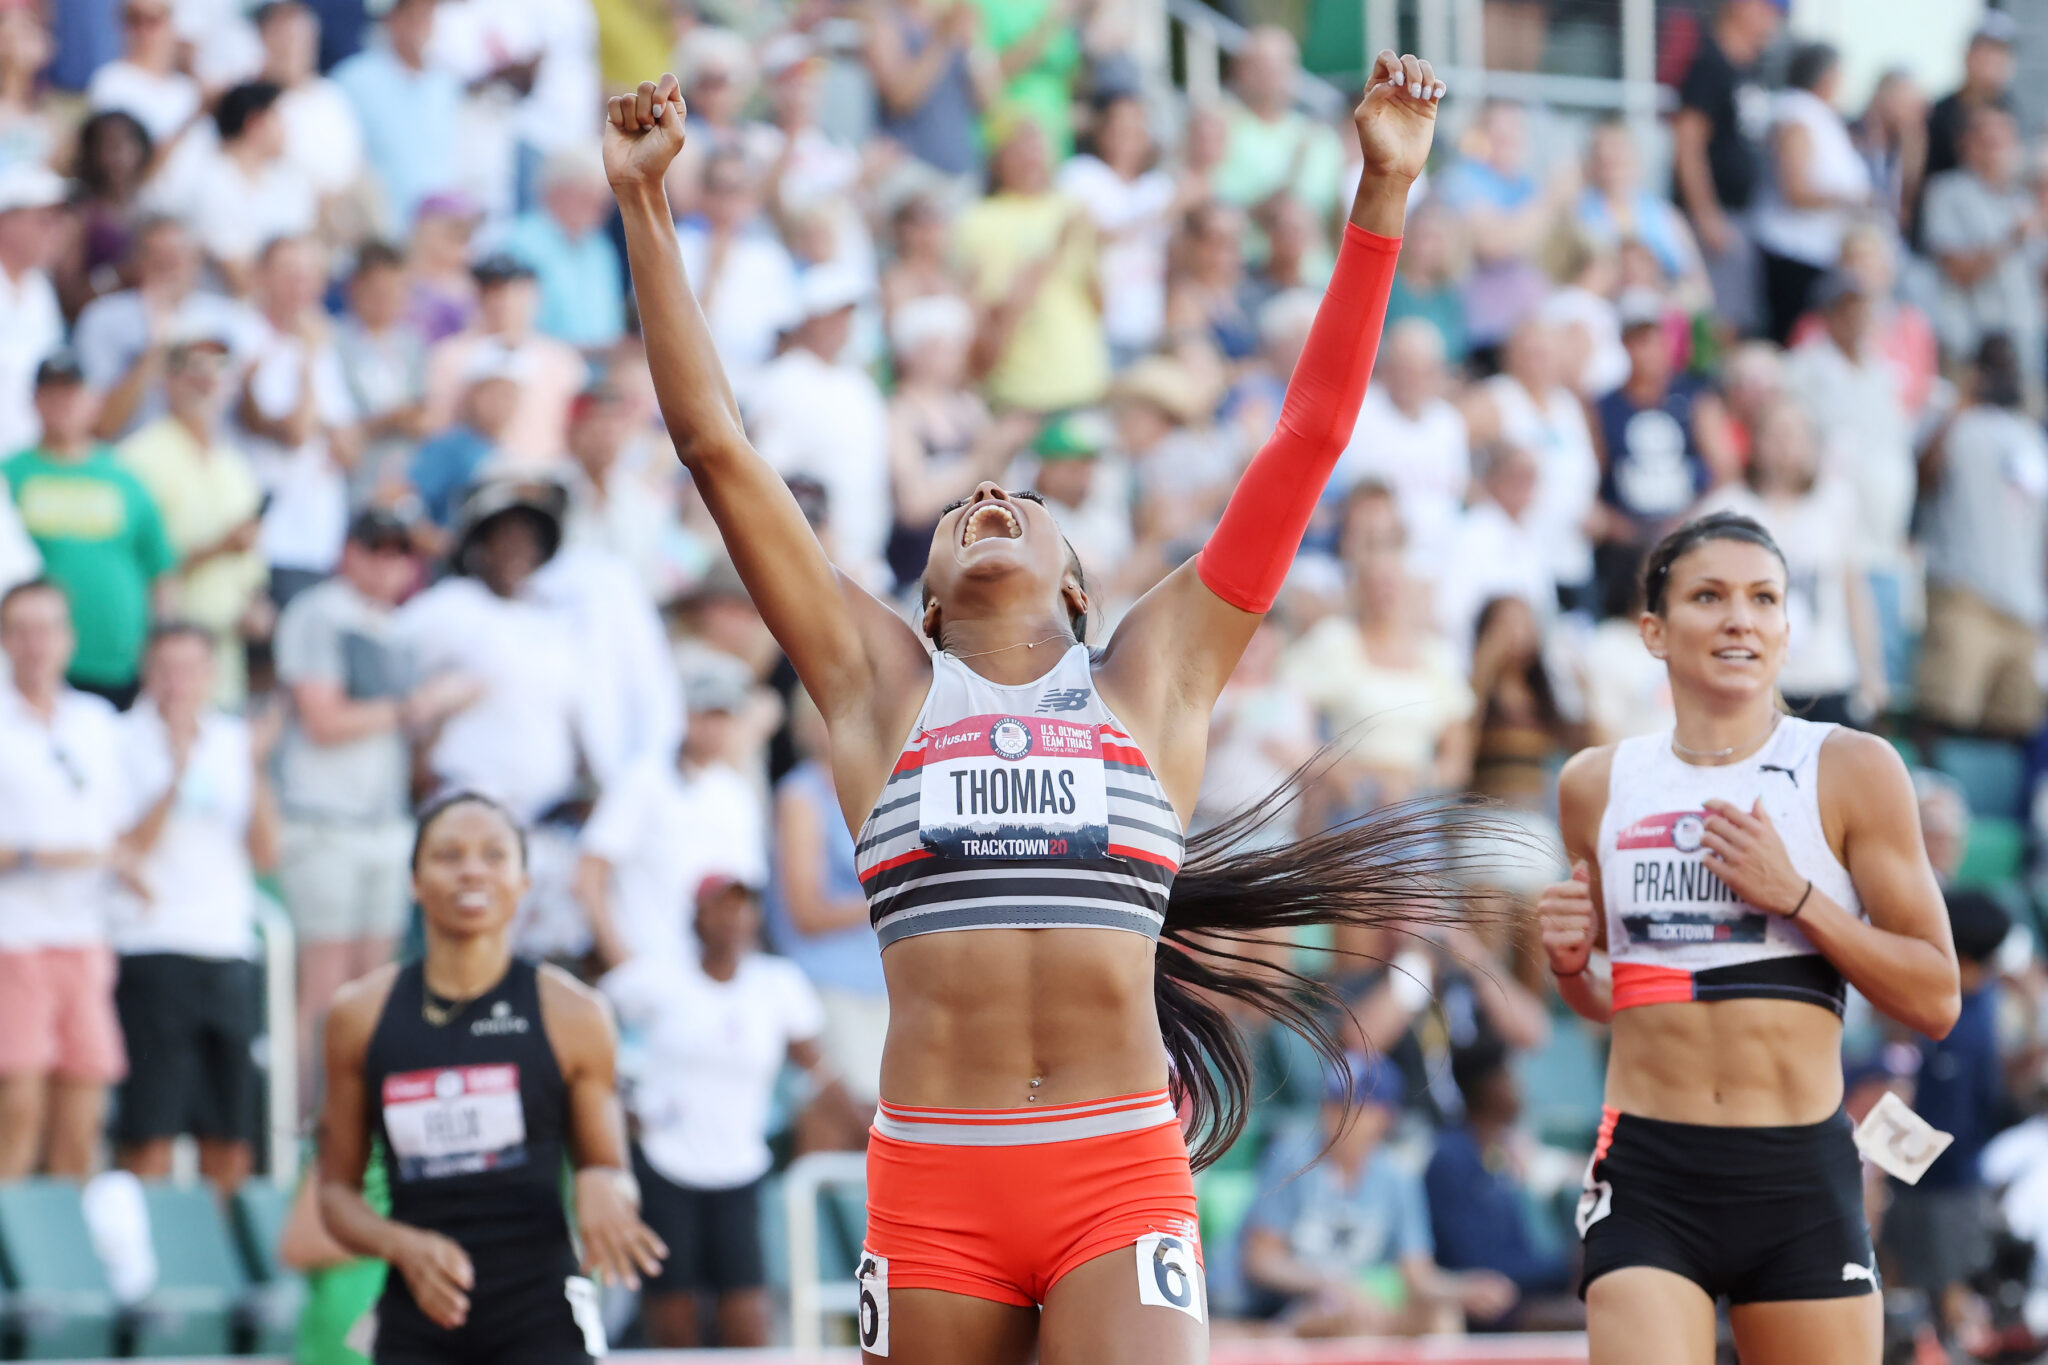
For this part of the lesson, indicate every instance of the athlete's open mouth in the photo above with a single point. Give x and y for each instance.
(1740, 655)
(989, 520)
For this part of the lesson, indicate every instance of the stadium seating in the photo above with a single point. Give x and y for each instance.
(201, 1281)
(1992, 774)
(260, 1209)
(59, 1304)
(1563, 1084)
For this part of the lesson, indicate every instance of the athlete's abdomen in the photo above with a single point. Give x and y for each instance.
(1727, 1063)
(976, 1017)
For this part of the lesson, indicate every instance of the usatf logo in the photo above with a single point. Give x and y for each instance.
(1064, 699)
(1010, 739)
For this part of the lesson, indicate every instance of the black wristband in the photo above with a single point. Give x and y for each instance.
(1802, 902)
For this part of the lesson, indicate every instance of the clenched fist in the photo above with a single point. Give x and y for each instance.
(1397, 118)
(643, 132)
(1567, 914)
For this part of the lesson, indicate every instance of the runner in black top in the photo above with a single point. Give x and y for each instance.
(482, 1075)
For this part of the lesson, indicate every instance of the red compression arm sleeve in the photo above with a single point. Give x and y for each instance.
(1255, 542)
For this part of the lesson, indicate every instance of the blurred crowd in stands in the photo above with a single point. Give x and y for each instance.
(334, 478)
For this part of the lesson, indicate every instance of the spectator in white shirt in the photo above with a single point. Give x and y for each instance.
(666, 824)
(60, 805)
(299, 419)
(321, 135)
(1495, 549)
(1410, 438)
(145, 81)
(190, 998)
(1132, 202)
(612, 508)
(1983, 228)
(811, 412)
(245, 192)
(122, 338)
(1529, 405)
(715, 1024)
(31, 324)
(740, 273)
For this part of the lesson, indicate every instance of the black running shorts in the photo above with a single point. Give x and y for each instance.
(713, 1236)
(190, 1023)
(1758, 1215)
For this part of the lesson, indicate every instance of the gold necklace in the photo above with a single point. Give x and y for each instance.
(437, 1012)
(1716, 755)
(1026, 644)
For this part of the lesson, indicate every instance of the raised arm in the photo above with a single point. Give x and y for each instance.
(1176, 648)
(856, 658)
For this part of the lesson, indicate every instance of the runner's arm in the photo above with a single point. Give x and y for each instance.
(1581, 802)
(852, 652)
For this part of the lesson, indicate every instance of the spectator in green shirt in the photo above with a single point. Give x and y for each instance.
(1274, 148)
(1038, 50)
(99, 533)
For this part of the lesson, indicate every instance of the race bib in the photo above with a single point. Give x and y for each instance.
(1898, 1141)
(872, 1280)
(1670, 898)
(1169, 1276)
(454, 1120)
(1014, 787)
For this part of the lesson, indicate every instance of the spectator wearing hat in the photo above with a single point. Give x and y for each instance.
(210, 501)
(29, 199)
(321, 135)
(97, 529)
(343, 764)
(407, 105)
(1030, 254)
(446, 466)
(582, 288)
(1088, 491)
(297, 418)
(61, 795)
(246, 192)
(932, 78)
(742, 275)
(1662, 439)
(551, 372)
(1986, 534)
(146, 81)
(715, 1020)
(811, 411)
(122, 338)
(384, 360)
(670, 820)
(1717, 153)
(200, 825)
(1983, 227)
(1344, 1248)
(1411, 438)
(1987, 84)
(1273, 147)
(1938, 1231)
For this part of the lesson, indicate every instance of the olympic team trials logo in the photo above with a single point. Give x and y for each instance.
(1688, 832)
(1010, 739)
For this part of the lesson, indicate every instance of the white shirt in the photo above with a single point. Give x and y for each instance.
(1131, 216)
(829, 421)
(34, 327)
(635, 699)
(753, 298)
(664, 831)
(202, 887)
(1815, 533)
(60, 792)
(1425, 459)
(1489, 555)
(113, 332)
(1833, 167)
(321, 135)
(19, 558)
(1866, 439)
(1607, 364)
(308, 516)
(707, 1058)
(233, 214)
(1568, 470)
(161, 104)
(517, 743)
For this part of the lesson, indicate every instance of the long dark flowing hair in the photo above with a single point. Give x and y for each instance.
(1406, 867)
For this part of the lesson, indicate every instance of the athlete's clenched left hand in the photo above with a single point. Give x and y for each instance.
(617, 1247)
(1744, 850)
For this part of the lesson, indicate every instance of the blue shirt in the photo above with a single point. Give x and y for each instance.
(582, 292)
(1480, 1219)
(443, 468)
(1960, 1090)
(847, 959)
(408, 119)
(1345, 1226)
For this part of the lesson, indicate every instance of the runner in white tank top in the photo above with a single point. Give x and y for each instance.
(1729, 876)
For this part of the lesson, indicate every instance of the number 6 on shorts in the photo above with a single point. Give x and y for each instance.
(873, 1280)
(1169, 1276)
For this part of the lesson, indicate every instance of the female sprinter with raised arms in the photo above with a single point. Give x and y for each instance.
(1029, 1189)
(1737, 869)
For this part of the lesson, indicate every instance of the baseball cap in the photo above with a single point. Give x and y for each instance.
(60, 367)
(829, 287)
(786, 52)
(1997, 27)
(715, 882)
(499, 267)
(191, 333)
(448, 204)
(28, 185)
(1366, 1080)
(1639, 308)
(1164, 383)
(1072, 436)
(379, 528)
(715, 689)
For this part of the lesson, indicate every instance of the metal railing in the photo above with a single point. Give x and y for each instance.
(281, 1023)
(813, 1300)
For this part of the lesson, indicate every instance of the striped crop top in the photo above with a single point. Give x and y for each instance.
(1018, 807)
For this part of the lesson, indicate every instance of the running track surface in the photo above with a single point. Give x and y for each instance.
(1562, 1349)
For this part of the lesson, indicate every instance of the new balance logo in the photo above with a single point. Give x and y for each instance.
(1852, 1271)
(1790, 776)
(1065, 699)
